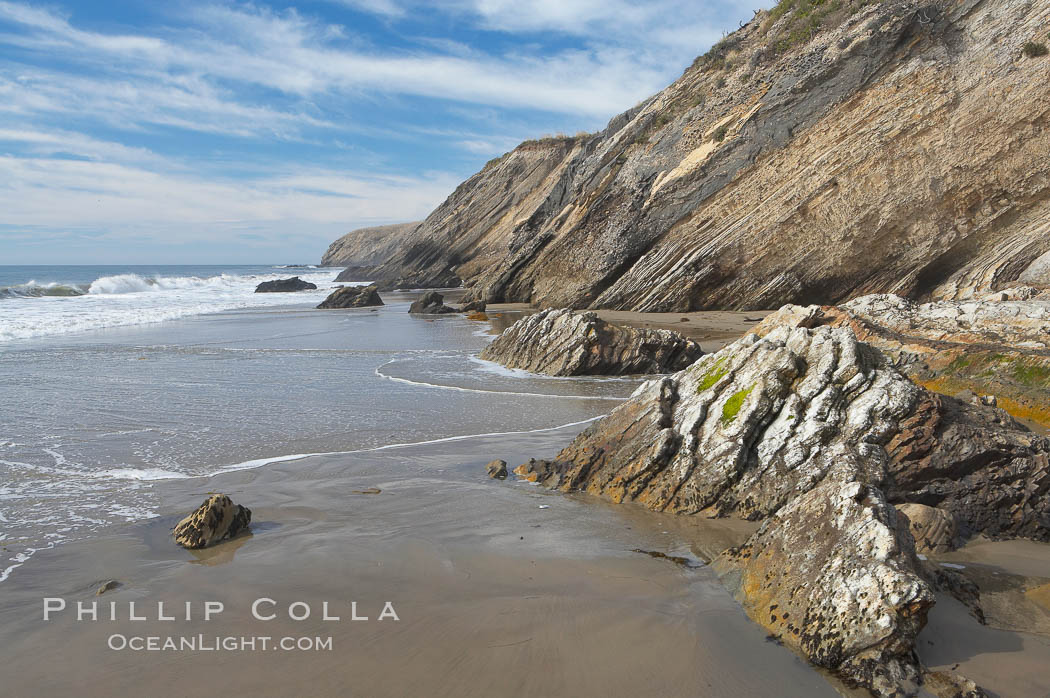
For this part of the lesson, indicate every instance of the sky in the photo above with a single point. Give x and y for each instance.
(250, 132)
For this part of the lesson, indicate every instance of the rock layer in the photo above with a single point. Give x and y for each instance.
(817, 435)
(900, 147)
(566, 343)
(285, 286)
(214, 521)
(352, 297)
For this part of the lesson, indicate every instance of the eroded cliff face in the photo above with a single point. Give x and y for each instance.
(368, 246)
(901, 148)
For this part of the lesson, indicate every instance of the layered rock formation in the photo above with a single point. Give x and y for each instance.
(567, 343)
(817, 435)
(285, 286)
(986, 347)
(352, 297)
(214, 521)
(366, 247)
(812, 156)
(430, 303)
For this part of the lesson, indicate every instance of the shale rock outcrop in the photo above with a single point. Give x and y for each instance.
(819, 153)
(352, 297)
(285, 286)
(431, 303)
(214, 521)
(567, 343)
(817, 435)
(996, 347)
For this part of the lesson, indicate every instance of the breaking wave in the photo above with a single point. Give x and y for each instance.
(36, 309)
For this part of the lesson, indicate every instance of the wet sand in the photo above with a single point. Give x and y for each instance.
(502, 589)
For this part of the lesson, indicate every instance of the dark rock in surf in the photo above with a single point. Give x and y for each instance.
(285, 286)
(432, 303)
(216, 520)
(352, 297)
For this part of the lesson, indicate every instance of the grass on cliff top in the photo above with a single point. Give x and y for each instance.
(807, 18)
(1033, 49)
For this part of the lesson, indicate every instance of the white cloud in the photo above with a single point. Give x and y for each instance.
(302, 58)
(246, 77)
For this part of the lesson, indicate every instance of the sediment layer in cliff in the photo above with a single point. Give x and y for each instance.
(896, 146)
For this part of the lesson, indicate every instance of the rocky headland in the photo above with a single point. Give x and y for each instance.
(567, 343)
(818, 436)
(365, 247)
(819, 153)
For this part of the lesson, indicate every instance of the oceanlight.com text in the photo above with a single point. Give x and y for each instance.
(215, 643)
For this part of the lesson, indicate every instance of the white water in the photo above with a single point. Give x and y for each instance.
(130, 299)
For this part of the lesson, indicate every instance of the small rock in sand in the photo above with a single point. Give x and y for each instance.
(217, 519)
(108, 586)
(497, 469)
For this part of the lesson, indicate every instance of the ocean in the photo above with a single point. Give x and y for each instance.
(114, 380)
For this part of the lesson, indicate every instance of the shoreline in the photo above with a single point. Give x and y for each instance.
(313, 521)
(488, 602)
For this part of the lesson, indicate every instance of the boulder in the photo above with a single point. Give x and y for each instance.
(352, 297)
(933, 529)
(216, 520)
(567, 343)
(431, 303)
(817, 435)
(285, 286)
(474, 306)
(497, 469)
(831, 577)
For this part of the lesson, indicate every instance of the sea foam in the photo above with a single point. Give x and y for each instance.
(40, 310)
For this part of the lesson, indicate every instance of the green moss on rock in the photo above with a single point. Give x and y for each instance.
(713, 375)
(732, 406)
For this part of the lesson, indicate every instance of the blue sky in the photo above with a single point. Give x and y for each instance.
(228, 132)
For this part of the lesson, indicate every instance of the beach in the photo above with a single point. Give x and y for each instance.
(359, 441)
(500, 589)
